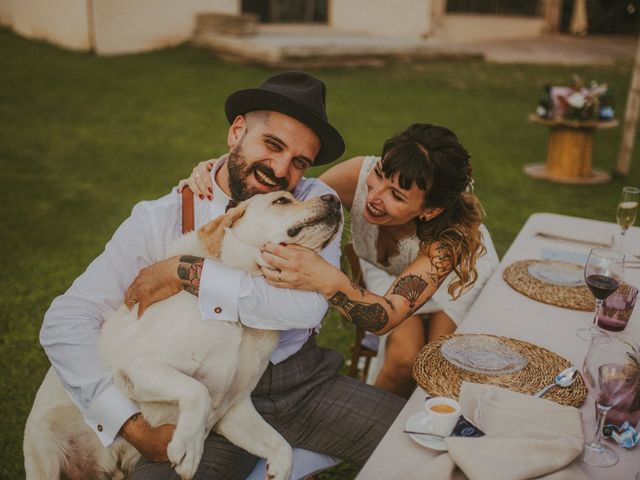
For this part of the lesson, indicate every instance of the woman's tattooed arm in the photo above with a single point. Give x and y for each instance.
(441, 263)
(370, 316)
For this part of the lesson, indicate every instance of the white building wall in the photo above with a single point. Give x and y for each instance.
(127, 26)
(112, 26)
(399, 18)
(63, 22)
(469, 28)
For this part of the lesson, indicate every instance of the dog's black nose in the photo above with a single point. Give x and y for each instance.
(330, 199)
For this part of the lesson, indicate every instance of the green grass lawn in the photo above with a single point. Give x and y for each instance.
(82, 139)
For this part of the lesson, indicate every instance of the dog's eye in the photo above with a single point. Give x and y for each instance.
(281, 201)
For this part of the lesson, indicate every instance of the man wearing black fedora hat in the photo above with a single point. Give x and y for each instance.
(276, 132)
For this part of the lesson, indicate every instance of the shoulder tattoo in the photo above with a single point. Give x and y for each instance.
(440, 258)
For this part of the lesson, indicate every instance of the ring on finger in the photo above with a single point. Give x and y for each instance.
(279, 275)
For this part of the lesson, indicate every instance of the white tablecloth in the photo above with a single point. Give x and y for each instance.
(502, 311)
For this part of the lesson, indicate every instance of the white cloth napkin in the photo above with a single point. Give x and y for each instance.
(575, 234)
(525, 437)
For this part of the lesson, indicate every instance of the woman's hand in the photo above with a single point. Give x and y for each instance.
(200, 180)
(299, 268)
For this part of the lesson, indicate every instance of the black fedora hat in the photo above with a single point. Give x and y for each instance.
(298, 95)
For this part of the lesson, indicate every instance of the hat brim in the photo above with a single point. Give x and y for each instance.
(251, 99)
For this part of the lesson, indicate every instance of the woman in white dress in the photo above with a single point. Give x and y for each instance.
(416, 227)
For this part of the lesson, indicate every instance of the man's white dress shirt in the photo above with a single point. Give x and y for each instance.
(72, 324)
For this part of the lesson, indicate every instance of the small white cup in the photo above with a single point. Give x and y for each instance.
(442, 415)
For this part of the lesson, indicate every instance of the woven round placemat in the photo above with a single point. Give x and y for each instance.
(439, 377)
(576, 298)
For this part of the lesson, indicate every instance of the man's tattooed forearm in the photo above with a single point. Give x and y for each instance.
(410, 287)
(190, 271)
(370, 316)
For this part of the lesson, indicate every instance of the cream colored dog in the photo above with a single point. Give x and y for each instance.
(179, 368)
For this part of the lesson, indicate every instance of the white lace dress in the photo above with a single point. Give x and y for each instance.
(378, 278)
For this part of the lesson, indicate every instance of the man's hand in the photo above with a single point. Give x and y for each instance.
(154, 283)
(164, 279)
(149, 441)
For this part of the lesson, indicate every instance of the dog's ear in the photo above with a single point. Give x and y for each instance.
(212, 233)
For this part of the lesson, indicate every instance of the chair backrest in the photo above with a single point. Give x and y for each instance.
(358, 351)
(355, 272)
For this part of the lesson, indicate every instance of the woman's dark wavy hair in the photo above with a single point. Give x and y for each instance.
(433, 159)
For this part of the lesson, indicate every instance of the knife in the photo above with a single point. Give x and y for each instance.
(562, 238)
(439, 437)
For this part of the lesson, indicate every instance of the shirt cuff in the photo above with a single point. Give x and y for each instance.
(108, 412)
(219, 291)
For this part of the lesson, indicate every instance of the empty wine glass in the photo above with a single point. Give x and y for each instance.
(627, 211)
(603, 272)
(611, 374)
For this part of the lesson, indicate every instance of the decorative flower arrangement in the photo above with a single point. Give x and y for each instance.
(576, 102)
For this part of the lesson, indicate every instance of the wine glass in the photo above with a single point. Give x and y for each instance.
(603, 272)
(611, 374)
(627, 211)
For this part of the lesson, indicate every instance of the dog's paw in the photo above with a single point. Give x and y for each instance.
(185, 453)
(279, 466)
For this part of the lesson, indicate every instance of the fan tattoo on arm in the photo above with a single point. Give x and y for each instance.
(189, 272)
(411, 286)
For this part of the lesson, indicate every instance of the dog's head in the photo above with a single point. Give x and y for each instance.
(275, 217)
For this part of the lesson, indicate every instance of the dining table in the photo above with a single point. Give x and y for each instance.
(503, 311)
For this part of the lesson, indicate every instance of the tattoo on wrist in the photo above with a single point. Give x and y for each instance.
(410, 287)
(189, 272)
(370, 316)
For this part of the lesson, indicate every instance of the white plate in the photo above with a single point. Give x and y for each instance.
(482, 354)
(558, 273)
(415, 424)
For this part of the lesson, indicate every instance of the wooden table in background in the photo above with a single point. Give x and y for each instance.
(569, 152)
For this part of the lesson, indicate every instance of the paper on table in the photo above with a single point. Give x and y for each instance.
(576, 234)
(526, 437)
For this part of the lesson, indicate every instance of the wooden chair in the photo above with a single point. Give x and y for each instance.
(358, 351)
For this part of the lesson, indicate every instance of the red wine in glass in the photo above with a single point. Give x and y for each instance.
(602, 286)
(603, 274)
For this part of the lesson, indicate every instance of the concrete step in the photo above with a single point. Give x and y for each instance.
(320, 46)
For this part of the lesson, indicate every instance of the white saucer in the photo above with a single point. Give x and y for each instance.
(414, 423)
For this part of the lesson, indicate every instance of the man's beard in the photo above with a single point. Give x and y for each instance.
(239, 171)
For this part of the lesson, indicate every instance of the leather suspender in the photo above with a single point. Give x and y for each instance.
(188, 219)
